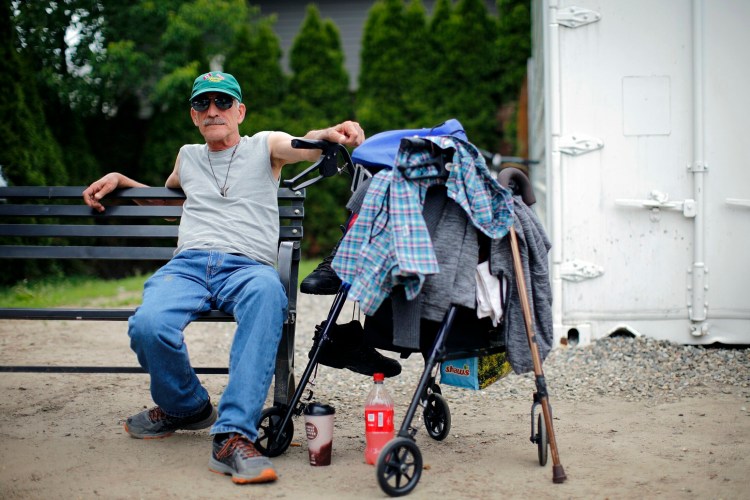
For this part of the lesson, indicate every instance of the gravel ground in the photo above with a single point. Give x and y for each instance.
(645, 369)
(639, 369)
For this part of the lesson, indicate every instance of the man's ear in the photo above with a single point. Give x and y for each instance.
(242, 110)
(194, 117)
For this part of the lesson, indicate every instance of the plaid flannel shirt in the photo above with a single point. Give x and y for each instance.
(389, 244)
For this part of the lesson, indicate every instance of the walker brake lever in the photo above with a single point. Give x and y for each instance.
(327, 164)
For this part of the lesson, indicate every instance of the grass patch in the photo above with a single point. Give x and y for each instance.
(82, 291)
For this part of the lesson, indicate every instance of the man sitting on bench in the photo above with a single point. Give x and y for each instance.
(225, 257)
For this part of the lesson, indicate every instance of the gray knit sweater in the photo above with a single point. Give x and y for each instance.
(534, 247)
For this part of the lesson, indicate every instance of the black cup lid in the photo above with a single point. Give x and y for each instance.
(318, 409)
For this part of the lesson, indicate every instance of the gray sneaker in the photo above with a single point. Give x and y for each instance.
(155, 423)
(234, 455)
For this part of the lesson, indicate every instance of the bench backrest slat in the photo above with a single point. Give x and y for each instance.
(13, 210)
(85, 211)
(88, 230)
(287, 233)
(86, 252)
(76, 193)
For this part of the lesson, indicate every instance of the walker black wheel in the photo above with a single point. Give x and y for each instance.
(437, 417)
(272, 440)
(541, 439)
(399, 467)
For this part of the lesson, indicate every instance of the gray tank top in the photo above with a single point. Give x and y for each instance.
(246, 221)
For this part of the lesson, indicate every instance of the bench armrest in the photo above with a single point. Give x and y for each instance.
(286, 254)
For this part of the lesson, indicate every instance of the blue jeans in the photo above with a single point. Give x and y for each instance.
(191, 283)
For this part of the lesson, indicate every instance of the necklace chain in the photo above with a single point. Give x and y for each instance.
(222, 190)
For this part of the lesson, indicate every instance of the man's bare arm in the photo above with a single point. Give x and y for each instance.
(93, 194)
(348, 133)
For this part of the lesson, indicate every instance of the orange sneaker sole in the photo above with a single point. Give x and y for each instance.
(267, 476)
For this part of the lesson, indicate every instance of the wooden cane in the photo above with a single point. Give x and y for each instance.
(558, 473)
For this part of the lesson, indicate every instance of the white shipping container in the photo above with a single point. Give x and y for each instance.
(638, 116)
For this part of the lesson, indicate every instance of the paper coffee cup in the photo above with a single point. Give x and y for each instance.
(319, 430)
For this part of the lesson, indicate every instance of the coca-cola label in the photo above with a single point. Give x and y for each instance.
(379, 420)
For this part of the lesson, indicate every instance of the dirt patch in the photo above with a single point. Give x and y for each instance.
(61, 436)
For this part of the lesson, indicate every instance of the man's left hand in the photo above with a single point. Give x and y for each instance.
(348, 133)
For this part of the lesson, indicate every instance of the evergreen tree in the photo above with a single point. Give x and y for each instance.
(384, 64)
(439, 69)
(319, 88)
(417, 73)
(441, 14)
(513, 50)
(398, 61)
(43, 31)
(128, 56)
(255, 60)
(29, 154)
(513, 45)
(469, 88)
(318, 97)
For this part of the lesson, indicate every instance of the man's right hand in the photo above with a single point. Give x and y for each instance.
(93, 194)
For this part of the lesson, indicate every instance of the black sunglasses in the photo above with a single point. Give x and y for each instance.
(223, 102)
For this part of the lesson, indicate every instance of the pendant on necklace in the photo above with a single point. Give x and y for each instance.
(222, 190)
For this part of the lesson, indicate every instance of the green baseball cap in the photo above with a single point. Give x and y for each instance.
(217, 81)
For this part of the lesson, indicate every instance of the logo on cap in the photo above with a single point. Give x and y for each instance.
(213, 78)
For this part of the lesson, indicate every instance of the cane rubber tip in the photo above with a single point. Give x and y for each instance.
(558, 474)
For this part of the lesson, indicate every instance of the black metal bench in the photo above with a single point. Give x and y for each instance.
(41, 222)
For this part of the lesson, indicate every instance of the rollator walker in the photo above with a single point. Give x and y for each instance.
(460, 334)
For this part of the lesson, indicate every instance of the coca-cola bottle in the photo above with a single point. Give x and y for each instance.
(378, 419)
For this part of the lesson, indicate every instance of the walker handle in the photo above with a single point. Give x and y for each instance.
(515, 180)
(327, 165)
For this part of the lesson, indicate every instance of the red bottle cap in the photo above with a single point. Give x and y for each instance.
(378, 377)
